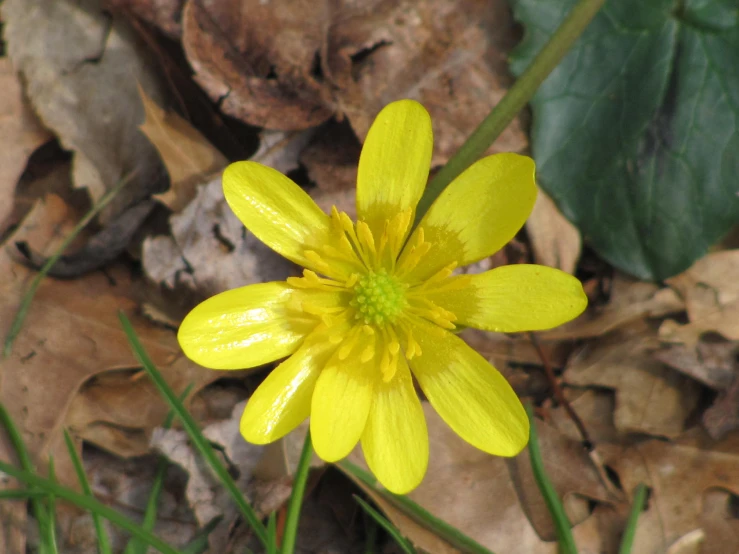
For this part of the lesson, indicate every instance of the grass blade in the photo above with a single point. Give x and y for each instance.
(21, 494)
(20, 316)
(196, 436)
(87, 503)
(439, 527)
(296, 497)
(24, 459)
(627, 541)
(103, 541)
(562, 524)
(272, 535)
(383, 522)
(200, 543)
(50, 531)
(135, 546)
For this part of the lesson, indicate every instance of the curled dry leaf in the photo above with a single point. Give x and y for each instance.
(81, 66)
(711, 291)
(20, 134)
(650, 397)
(210, 250)
(163, 14)
(258, 59)
(185, 152)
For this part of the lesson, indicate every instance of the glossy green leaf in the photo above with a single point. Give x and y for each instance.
(635, 133)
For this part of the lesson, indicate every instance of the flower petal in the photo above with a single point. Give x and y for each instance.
(276, 210)
(396, 442)
(394, 164)
(469, 394)
(477, 214)
(283, 399)
(514, 298)
(341, 403)
(250, 326)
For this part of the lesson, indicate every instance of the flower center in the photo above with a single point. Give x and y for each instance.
(378, 298)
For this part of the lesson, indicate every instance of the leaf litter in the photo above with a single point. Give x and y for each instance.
(649, 369)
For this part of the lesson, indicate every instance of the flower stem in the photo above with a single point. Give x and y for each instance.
(296, 498)
(514, 100)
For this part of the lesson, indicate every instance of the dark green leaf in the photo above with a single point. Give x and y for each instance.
(635, 133)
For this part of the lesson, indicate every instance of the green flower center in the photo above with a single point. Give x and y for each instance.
(378, 298)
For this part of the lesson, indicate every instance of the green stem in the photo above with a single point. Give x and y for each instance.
(296, 498)
(513, 102)
(627, 541)
(562, 523)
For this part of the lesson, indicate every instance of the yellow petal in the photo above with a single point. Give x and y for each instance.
(514, 298)
(469, 394)
(395, 442)
(276, 210)
(478, 213)
(249, 326)
(341, 403)
(283, 399)
(394, 164)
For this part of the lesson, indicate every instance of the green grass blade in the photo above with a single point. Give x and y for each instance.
(102, 535)
(20, 316)
(562, 524)
(49, 533)
(24, 459)
(439, 527)
(87, 503)
(135, 546)
(272, 535)
(21, 494)
(627, 541)
(296, 497)
(196, 436)
(383, 522)
(370, 531)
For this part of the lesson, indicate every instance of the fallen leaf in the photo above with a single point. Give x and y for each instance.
(720, 523)
(450, 55)
(81, 66)
(185, 152)
(210, 250)
(711, 291)
(650, 398)
(678, 474)
(555, 241)
(70, 334)
(20, 134)
(258, 59)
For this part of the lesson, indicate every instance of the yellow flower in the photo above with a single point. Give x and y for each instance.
(376, 306)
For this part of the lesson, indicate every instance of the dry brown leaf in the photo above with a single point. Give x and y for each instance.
(258, 59)
(450, 55)
(482, 495)
(719, 523)
(209, 250)
(20, 134)
(678, 475)
(70, 334)
(711, 292)
(185, 152)
(81, 66)
(650, 398)
(555, 241)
